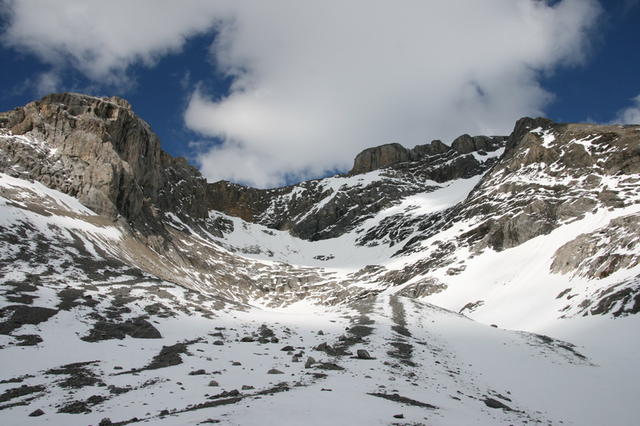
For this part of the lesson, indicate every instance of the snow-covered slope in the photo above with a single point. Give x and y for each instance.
(489, 287)
(430, 365)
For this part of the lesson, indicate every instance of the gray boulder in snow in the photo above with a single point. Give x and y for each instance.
(363, 354)
(310, 362)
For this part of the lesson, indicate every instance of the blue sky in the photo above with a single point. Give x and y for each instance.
(609, 78)
(272, 96)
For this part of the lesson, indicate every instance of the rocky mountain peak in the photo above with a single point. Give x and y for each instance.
(72, 99)
(523, 126)
(379, 157)
(387, 155)
(466, 144)
(98, 150)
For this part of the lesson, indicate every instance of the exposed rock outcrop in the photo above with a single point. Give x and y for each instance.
(603, 252)
(466, 144)
(99, 151)
(387, 155)
(379, 157)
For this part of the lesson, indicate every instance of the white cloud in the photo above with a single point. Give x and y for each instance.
(630, 115)
(316, 82)
(103, 38)
(47, 82)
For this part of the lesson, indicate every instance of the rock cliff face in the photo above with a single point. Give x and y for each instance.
(99, 151)
(379, 157)
(390, 154)
(600, 253)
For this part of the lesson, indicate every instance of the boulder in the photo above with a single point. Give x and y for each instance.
(36, 413)
(363, 354)
(494, 403)
(326, 348)
(309, 363)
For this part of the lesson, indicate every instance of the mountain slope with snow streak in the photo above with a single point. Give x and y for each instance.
(493, 281)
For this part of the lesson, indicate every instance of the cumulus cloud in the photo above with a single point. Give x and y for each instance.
(630, 115)
(316, 82)
(47, 82)
(103, 38)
